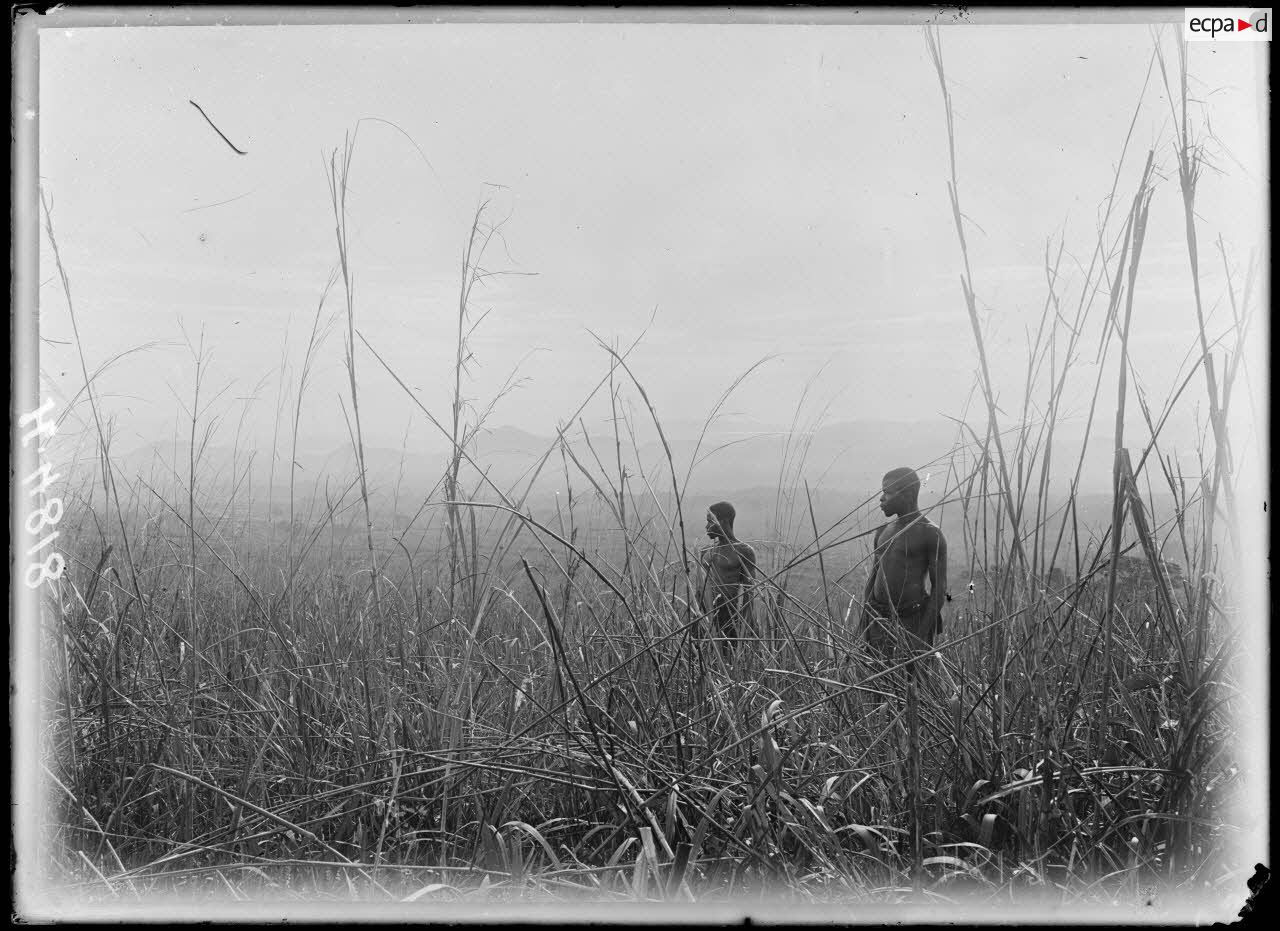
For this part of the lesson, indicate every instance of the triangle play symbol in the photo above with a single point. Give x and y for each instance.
(1243, 25)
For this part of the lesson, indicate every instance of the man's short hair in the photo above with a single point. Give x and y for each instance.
(903, 479)
(724, 512)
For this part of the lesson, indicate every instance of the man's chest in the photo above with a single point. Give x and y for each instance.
(894, 542)
(723, 561)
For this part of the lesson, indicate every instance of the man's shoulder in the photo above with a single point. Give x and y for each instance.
(745, 550)
(711, 550)
(928, 530)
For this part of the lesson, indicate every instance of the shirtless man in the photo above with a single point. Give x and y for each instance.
(728, 570)
(908, 551)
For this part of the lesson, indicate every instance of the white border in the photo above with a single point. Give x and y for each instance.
(31, 900)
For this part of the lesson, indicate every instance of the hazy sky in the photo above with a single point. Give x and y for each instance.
(768, 189)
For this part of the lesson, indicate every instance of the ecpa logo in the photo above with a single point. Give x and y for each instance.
(1225, 24)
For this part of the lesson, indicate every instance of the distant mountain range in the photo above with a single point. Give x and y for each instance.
(764, 473)
(839, 461)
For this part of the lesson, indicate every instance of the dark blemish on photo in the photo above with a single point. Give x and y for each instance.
(1260, 901)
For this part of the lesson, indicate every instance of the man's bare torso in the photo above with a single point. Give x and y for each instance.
(728, 570)
(904, 550)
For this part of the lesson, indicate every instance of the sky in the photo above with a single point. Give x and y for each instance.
(731, 192)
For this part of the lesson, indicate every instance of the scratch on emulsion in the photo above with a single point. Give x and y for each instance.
(217, 130)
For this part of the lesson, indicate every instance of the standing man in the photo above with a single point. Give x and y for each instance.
(909, 551)
(729, 567)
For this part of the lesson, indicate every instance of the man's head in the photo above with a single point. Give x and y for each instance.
(901, 489)
(720, 520)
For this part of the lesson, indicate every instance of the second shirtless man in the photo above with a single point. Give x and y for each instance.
(729, 567)
(909, 551)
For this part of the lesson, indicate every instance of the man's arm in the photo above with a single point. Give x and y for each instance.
(938, 576)
(875, 566)
(747, 555)
(702, 582)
